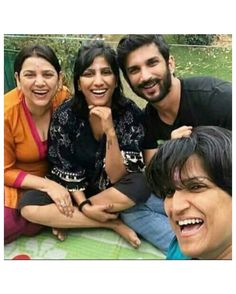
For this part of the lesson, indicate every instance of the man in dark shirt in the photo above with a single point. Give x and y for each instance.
(172, 103)
(203, 101)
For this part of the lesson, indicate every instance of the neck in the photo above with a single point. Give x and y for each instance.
(37, 111)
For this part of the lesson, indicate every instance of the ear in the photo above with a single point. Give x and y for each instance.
(60, 81)
(16, 75)
(171, 64)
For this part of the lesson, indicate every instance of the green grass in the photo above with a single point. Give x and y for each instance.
(213, 61)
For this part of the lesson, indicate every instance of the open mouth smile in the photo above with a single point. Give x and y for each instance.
(150, 85)
(99, 92)
(40, 92)
(189, 227)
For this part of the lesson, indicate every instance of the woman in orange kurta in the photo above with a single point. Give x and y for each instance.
(27, 113)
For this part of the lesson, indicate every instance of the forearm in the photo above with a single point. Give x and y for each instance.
(114, 165)
(121, 204)
(112, 196)
(78, 196)
(35, 182)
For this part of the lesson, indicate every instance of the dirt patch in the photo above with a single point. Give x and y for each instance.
(223, 40)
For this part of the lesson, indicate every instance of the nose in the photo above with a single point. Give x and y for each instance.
(145, 74)
(179, 202)
(98, 80)
(39, 80)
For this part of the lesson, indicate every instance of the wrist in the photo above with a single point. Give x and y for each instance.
(45, 184)
(83, 203)
(111, 132)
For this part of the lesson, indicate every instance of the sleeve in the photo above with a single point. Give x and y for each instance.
(215, 106)
(223, 114)
(133, 161)
(13, 176)
(130, 131)
(61, 152)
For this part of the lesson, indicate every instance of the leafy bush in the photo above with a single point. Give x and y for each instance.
(195, 39)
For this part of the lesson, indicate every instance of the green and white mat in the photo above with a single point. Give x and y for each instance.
(79, 244)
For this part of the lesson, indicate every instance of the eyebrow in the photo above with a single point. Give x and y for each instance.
(93, 69)
(44, 71)
(193, 179)
(151, 59)
(132, 67)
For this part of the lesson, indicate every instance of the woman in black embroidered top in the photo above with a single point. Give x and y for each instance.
(95, 149)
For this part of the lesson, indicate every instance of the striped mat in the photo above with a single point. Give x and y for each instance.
(96, 244)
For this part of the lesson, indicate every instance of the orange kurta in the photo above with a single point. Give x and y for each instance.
(24, 152)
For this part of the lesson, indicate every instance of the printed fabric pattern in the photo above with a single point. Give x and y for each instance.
(78, 160)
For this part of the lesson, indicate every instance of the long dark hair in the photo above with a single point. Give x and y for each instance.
(85, 57)
(212, 145)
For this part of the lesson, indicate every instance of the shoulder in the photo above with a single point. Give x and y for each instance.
(64, 109)
(67, 117)
(208, 91)
(61, 96)
(13, 107)
(127, 107)
(204, 83)
(12, 99)
(174, 251)
(129, 104)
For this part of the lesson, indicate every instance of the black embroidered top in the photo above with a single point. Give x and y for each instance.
(77, 158)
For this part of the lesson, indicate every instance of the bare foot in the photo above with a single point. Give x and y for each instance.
(126, 232)
(59, 233)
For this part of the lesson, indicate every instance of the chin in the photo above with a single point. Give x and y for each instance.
(43, 103)
(191, 251)
(101, 103)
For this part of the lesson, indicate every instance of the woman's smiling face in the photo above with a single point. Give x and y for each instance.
(39, 81)
(98, 83)
(200, 214)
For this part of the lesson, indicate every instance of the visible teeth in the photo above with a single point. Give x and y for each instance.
(149, 85)
(40, 92)
(98, 91)
(189, 221)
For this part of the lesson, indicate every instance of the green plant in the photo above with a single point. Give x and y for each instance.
(199, 39)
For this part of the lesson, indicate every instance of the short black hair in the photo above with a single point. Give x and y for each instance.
(213, 145)
(131, 42)
(42, 51)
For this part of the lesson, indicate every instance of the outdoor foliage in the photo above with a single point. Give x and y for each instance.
(196, 39)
